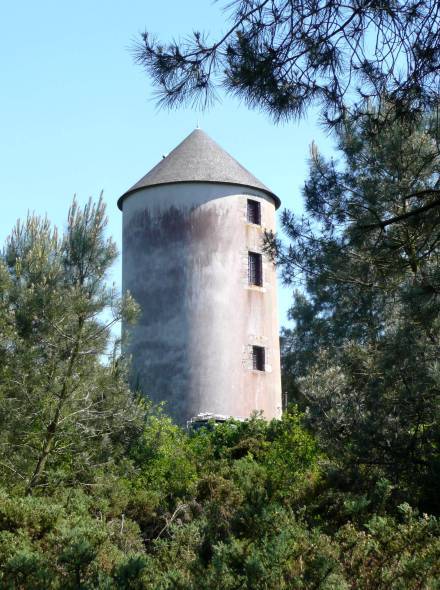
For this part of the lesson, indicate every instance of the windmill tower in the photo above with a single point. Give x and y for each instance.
(207, 339)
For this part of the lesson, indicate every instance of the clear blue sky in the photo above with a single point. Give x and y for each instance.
(77, 116)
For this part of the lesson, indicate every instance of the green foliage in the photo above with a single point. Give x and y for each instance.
(363, 354)
(164, 457)
(391, 553)
(238, 522)
(63, 413)
(282, 57)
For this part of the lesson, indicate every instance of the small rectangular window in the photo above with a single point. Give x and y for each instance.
(258, 358)
(253, 212)
(255, 269)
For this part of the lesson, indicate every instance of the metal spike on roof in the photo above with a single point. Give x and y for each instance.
(198, 158)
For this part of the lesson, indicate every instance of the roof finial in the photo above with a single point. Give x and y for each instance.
(198, 124)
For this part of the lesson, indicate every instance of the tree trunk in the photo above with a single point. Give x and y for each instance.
(51, 430)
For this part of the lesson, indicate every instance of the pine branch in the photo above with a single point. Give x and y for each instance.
(413, 213)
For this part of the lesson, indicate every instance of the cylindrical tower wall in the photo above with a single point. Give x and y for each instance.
(185, 261)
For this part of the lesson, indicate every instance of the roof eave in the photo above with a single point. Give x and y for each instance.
(139, 188)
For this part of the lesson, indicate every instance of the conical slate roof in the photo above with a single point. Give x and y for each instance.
(199, 159)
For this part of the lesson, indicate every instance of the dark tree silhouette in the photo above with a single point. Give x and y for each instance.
(284, 55)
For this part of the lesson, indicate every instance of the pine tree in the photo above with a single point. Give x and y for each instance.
(281, 57)
(63, 408)
(366, 259)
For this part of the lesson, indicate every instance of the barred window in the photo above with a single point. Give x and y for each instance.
(253, 212)
(258, 358)
(255, 269)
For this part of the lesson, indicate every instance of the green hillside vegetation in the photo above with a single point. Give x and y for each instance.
(100, 490)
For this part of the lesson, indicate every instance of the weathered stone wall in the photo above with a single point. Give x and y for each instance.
(185, 259)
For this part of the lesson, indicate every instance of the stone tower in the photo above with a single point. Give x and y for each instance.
(207, 339)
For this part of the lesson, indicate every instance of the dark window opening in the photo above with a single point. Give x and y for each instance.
(255, 269)
(258, 358)
(253, 212)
